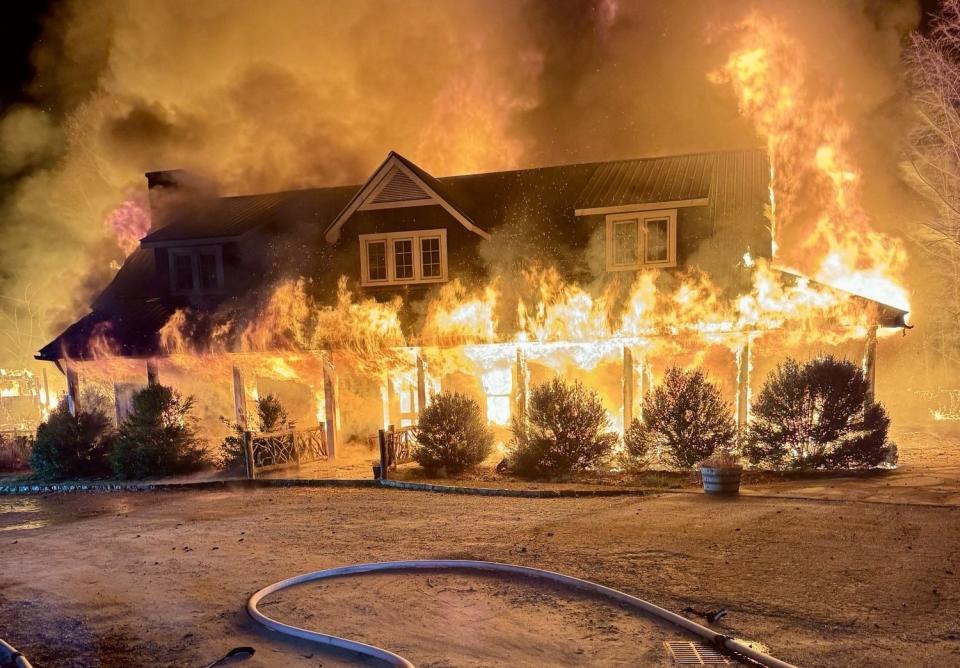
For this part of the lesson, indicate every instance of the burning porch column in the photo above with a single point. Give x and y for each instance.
(331, 410)
(73, 389)
(421, 385)
(870, 363)
(153, 373)
(743, 383)
(46, 395)
(628, 387)
(521, 393)
(388, 401)
(239, 398)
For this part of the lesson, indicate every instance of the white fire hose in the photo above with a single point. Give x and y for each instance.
(9, 655)
(717, 639)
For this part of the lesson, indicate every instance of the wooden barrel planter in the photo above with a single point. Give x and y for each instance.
(721, 479)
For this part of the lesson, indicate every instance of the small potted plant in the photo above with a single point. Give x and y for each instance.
(720, 473)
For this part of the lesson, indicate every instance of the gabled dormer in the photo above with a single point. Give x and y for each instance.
(404, 222)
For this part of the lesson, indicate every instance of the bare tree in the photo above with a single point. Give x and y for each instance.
(21, 331)
(933, 61)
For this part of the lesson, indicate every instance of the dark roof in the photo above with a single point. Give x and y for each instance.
(648, 180)
(129, 312)
(230, 217)
(733, 182)
(130, 331)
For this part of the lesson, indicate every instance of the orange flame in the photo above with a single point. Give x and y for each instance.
(820, 225)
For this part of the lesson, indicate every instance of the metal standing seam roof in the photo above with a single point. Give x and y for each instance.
(648, 180)
(739, 185)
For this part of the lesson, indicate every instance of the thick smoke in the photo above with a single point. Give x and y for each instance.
(294, 93)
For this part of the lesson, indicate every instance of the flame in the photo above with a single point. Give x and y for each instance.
(820, 224)
(129, 221)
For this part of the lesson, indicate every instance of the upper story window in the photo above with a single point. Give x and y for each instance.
(197, 270)
(641, 239)
(401, 258)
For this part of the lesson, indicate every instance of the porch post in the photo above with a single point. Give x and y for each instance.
(387, 399)
(421, 386)
(743, 383)
(153, 373)
(116, 403)
(641, 387)
(521, 392)
(73, 389)
(627, 387)
(249, 463)
(331, 410)
(239, 398)
(870, 364)
(46, 395)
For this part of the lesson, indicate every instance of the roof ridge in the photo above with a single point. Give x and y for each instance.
(595, 163)
(288, 192)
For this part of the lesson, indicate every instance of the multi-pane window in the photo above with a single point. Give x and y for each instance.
(626, 236)
(196, 270)
(641, 239)
(183, 272)
(403, 257)
(209, 270)
(658, 240)
(377, 261)
(430, 257)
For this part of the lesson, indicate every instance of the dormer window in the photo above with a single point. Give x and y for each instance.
(196, 271)
(403, 258)
(641, 239)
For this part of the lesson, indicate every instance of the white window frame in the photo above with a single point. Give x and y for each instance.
(194, 253)
(642, 217)
(416, 236)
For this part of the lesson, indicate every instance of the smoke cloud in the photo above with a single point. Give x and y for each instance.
(296, 93)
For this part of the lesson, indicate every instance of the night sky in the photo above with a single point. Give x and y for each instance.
(21, 22)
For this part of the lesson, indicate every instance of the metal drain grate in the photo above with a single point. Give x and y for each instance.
(696, 654)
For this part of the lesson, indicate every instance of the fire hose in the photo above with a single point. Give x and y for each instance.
(10, 656)
(719, 640)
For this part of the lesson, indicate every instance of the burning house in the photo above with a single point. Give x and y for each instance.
(355, 303)
(24, 401)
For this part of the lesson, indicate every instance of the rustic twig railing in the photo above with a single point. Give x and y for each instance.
(268, 451)
(396, 447)
(16, 447)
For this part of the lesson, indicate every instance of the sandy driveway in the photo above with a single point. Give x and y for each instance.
(160, 579)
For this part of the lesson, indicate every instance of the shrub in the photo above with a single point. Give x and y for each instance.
(15, 452)
(816, 415)
(686, 418)
(271, 416)
(159, 437)
(452, 434)
(69, 446)
(637, 445)
(566, 430)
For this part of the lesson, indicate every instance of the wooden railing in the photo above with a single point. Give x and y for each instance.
(396, 447)
(268, 451)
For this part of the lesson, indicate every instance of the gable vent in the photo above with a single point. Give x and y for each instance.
(400, 188)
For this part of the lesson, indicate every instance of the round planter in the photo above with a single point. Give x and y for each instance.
(717, 480)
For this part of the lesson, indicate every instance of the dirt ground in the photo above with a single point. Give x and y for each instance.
(859, 572)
